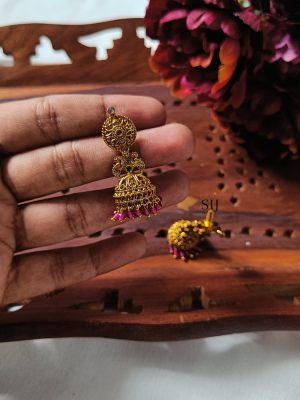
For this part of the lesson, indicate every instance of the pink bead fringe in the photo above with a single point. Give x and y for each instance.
(184, 255)
(132, 214)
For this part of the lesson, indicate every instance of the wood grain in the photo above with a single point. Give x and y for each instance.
(127, 60)
(249, 280)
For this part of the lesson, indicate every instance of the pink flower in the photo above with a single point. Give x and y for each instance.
(242, 61)
(201, 48)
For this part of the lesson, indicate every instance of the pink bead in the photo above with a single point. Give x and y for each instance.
(171, 250)
(116, 217)
(153, 210)
(138, 213)
(121, 217)
(124, 215)
(131, 214)
(146, 212)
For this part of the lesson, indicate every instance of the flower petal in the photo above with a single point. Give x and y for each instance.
(229, 55)
(173, 16)
(250, 18)
(202, 60)
(213, 20)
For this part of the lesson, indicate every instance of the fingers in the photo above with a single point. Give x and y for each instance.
(43, 121)
(38, 273)
(50, 169)
(64, 218)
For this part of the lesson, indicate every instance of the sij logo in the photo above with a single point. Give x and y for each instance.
(212, 204)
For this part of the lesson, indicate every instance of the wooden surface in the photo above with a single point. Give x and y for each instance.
(249, 280)
(127, 60)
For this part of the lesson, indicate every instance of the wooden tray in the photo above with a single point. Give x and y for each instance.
(249, 280)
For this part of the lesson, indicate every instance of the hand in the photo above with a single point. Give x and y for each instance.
(53, 143)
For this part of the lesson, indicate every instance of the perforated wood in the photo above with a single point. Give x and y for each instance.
(249, 280)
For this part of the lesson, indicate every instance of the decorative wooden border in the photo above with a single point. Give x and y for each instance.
(127, 60)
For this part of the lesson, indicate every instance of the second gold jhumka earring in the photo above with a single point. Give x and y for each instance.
(134, 195)
(185, 236)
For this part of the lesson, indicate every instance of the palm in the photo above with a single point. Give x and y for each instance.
(51, 144)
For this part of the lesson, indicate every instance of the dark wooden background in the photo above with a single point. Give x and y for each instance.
(249, 280)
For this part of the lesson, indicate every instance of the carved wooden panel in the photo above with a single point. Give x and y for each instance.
(127, 60)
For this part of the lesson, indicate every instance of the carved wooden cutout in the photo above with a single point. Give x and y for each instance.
(20, 42)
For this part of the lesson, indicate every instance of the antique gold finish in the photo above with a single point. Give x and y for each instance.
(134, 195)
(184, 236)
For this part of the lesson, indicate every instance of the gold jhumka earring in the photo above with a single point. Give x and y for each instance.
(135, 196)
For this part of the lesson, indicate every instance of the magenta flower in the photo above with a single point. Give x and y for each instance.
(198, 39)
(241, 60)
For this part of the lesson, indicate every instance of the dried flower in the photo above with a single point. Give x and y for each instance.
(242, 59)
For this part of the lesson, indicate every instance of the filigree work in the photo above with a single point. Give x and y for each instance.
(134, 195)
(118, 132)
(127, 162)
(185, 236)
